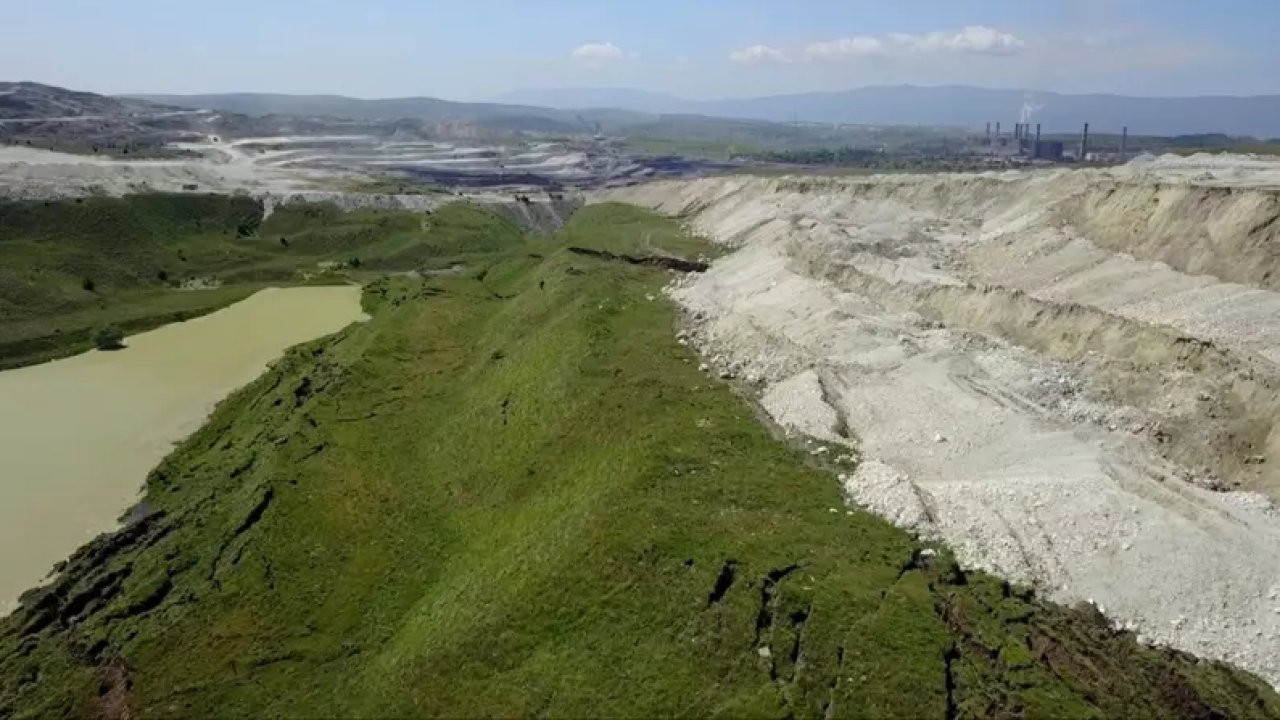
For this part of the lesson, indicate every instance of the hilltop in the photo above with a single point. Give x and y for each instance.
(30, 100)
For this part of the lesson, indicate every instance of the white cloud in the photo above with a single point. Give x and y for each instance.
(858, 46)
(972, 39)
(756, 54)
(977, 39)
(598, 54)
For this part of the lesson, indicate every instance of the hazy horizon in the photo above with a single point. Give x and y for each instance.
(484, 49)
(505, 97)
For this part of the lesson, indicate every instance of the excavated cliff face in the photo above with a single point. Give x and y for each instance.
(1072, 376)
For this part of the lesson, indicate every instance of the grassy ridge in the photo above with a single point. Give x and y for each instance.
(513, 493)
(71, 266)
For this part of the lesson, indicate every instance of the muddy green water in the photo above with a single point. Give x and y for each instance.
(78, 436)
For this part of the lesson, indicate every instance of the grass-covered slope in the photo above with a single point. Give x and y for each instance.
(512, 493)
(68, 267)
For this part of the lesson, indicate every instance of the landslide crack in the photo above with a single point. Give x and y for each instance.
(768, 599)
(799, 621)
(256, 513)
(829, 707)
(724, 581)
(669, 262)
(949, 656)
(252, 518)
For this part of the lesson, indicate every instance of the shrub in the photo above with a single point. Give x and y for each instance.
(108, 338)
(88, 284)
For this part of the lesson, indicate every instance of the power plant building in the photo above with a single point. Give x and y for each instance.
(1049, 150)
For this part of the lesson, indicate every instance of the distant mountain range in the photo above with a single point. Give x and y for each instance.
(620, 98)
(959, 106)
(623, 110)
(491, 115)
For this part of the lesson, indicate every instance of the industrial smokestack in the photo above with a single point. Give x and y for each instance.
(1124, 141)
(1084, 143)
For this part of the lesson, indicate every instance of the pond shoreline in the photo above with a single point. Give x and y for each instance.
(80, 434)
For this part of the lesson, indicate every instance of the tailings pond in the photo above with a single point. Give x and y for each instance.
(78, 436)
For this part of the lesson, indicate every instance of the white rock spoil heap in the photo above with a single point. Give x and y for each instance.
(1070, 376)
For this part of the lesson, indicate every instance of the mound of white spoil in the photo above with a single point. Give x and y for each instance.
(41, 174)
(32, 174)
(1070, 376)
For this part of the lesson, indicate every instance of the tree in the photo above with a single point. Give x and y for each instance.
(108, 338)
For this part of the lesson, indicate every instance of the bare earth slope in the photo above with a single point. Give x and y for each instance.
(1070, 376)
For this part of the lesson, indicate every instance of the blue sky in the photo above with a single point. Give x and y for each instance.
(694, 48)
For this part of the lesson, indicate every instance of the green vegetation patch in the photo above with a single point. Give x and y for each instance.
(69, 267)
(512, 493)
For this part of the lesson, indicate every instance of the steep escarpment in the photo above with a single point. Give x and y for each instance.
(1030, 368)
(1230, 233)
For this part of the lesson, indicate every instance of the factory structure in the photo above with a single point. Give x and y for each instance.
(1025, 142)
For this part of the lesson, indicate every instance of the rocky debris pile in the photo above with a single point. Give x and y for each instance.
(1073, 447)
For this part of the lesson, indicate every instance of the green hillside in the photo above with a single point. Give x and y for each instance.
(512, 493)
